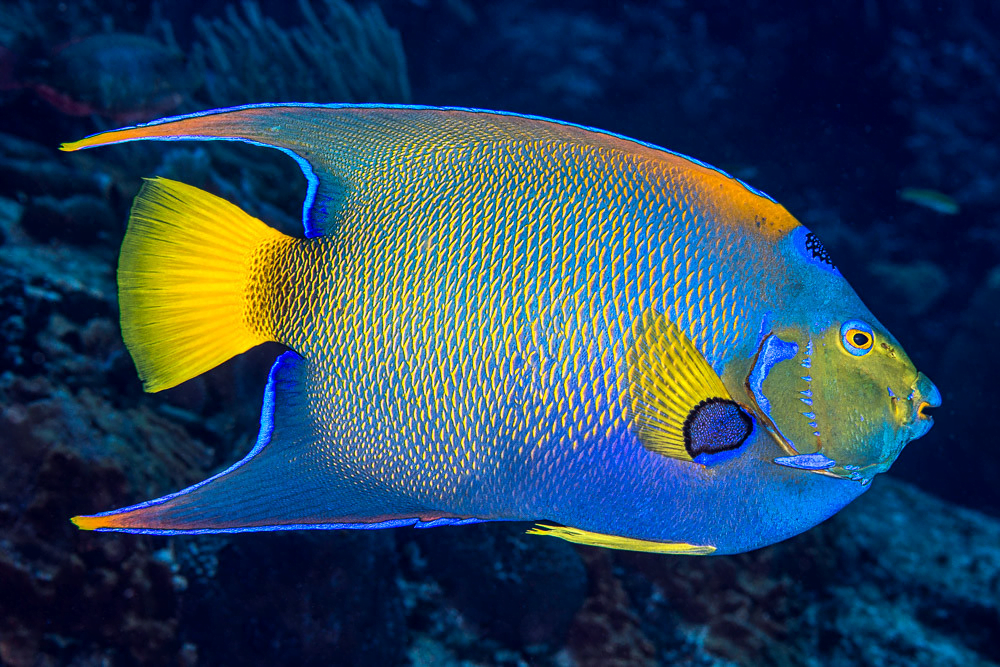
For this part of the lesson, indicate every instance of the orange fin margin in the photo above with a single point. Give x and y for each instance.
(211, 125)
(93, 522)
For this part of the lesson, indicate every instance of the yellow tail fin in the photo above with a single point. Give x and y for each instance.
(186, 282)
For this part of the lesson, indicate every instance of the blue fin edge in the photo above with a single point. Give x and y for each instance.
(277, 375)
(414, 522)
(313, 182)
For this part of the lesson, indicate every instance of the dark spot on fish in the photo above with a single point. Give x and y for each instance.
(817, 249)
(716, 425)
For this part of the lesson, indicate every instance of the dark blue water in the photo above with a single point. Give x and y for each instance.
(834, 109)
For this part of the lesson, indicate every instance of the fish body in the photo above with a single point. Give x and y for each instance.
(500, 317)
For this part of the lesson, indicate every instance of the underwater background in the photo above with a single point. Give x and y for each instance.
(874, 122)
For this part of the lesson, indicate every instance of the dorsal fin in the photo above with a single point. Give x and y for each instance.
(349, 151)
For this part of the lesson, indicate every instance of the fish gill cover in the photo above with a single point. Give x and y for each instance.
(832, 110)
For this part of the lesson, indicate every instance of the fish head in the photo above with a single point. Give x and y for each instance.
(835, 388)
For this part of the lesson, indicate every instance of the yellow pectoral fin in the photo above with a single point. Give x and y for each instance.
(678, 405)
(578, 536)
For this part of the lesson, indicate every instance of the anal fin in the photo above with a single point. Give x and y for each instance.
(291, 479)
(578, 536)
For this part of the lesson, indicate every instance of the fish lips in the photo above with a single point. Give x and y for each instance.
(924, 396)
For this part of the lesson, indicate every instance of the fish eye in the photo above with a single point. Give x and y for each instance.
(857, 337)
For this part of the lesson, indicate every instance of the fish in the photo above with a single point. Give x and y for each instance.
(932, 199)
(499, 317)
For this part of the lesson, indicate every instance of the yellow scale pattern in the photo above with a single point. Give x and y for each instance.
(458, 337)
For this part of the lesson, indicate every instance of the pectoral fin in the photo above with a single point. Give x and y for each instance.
(578, 536)
(679, 406)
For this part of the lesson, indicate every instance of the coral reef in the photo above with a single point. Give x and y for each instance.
(607, 631)
(311, 599)
(348, 56)
(65, 595)
(898, 577)
(513, 588)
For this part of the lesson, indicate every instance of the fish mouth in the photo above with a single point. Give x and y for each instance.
(915, 420)
(924, 397)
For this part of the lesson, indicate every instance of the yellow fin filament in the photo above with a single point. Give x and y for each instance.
(184, 282)
(588, 538)
(90, 522)
(668, 378)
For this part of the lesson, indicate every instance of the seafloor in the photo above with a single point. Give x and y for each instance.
(833, 108)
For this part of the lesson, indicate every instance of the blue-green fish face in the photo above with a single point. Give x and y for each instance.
(842, 395)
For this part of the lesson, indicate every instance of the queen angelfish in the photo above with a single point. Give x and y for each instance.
(496, 317)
